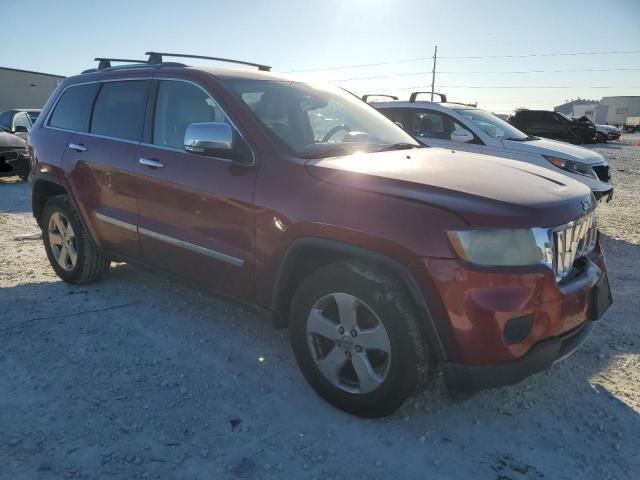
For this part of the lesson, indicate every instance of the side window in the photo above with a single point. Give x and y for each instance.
(178, 105)
(119, 109)
(74, 108)
(273, 110)
(21, 120)
(431, 124)
(400, 115)
(5, 120)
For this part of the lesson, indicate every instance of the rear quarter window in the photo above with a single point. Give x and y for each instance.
(74, 108)
(119, 109)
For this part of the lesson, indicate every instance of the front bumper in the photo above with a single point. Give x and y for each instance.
(480, 303)
(612, 135)
(539, 358)
(15, 162)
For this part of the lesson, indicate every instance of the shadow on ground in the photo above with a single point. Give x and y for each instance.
(137, 374)
(15, 196)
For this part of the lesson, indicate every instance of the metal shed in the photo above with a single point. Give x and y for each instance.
(25, 89)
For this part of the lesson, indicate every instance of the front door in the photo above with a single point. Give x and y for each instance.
(434, 128)
(195, 211)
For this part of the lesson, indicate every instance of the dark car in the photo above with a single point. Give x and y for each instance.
(547, 124)
(13, 155)
(19, 121)
(385, 259)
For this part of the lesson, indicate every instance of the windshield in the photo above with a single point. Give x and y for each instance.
(565, 116)
(319, 121)
(33, 116)
(492, 125)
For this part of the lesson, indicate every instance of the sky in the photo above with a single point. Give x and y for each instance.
(366, 46)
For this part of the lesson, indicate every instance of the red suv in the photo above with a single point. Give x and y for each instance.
(385, 259)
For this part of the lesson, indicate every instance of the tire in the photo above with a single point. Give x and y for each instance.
(89, 265)
(575, 138)
(601, 137)
(380, 301)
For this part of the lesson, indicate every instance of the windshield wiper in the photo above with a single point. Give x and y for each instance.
(525, 139)
(395, 146)
(329, 152)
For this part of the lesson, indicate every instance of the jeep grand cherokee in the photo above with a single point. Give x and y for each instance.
(385, 259)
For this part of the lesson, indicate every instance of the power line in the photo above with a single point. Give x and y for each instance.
(374, 77)
(611, 52)
(506, 87)
(614, 52)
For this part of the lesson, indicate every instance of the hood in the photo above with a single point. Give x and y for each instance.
(610, 128)
(9, 140)
(486, 191)
(555, 148)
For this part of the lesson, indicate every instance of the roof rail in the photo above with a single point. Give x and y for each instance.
(365, 97)
(155, 58)
(414, 95)
(105, 63)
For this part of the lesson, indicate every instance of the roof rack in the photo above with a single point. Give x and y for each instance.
(443, 99)
(365, 97)
(414, 95)
(155, 58)
(105, 63)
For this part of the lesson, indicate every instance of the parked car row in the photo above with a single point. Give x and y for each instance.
(466, 128)
(14, 127)
(386, 259)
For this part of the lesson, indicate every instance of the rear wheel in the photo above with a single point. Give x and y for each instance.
(601, 137)
(71, 253)
(357, 339)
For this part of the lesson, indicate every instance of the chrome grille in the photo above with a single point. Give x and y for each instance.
(572, 241)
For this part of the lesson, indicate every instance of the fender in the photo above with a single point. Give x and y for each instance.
(47, 177)
(279, 297)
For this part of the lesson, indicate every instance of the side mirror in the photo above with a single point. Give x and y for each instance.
(20, 129)
(462, 136)
(208, 138)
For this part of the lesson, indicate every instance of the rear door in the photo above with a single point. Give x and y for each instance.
(196, 211)
(434, 128)
(398, 115)
(101, 162)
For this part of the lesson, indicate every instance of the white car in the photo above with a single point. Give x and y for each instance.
(607, 132)
(463, 127)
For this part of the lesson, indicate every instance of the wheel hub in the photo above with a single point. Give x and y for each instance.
(348, 343)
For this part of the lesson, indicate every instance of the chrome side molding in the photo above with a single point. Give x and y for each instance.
(192, 247)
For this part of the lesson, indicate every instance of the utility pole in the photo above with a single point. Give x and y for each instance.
(433, 73)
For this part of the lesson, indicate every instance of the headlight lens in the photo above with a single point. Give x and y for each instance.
(501, 248)
(571, 166)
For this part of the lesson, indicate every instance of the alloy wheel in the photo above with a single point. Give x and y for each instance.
(62, 241)
(349, 343)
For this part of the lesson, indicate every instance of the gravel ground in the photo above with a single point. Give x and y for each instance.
(139, 377)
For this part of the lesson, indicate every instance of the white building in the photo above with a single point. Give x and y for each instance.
(615, 110)
(25, 89)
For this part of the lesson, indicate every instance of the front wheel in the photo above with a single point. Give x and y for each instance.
(357, 339)
(71, 253)
(575, 138)
(601, 137)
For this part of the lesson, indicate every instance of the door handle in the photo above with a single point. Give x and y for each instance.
(78, 147)
(149, 162)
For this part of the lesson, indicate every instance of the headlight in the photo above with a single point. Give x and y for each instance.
(502, 248)
(571, 166)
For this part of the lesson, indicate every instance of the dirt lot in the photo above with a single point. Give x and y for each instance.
(138, 377)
